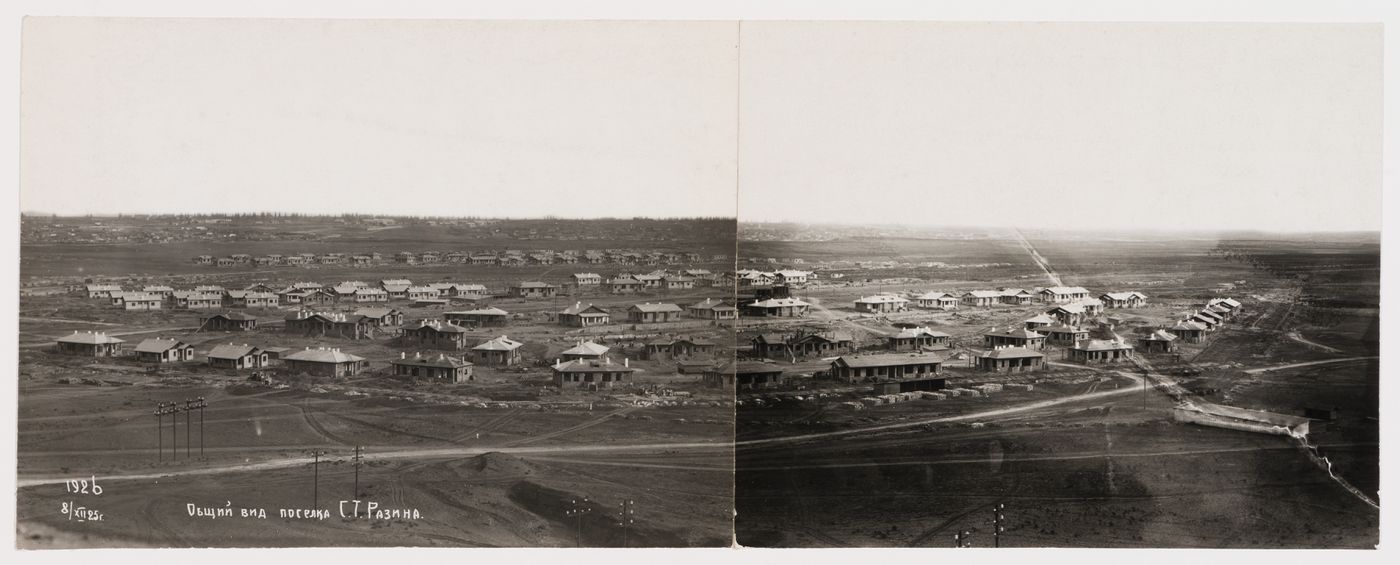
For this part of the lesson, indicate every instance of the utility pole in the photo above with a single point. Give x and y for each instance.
(960, 539)
(316, 478)
(359, 455)
(997, 519)
(579, 507)
(200, 403)
(188, 404)
(624, 518)
(174, 412)
(1144, 389)
(160, 431)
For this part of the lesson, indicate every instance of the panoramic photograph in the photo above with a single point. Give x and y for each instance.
(1059, 285)
(698, 284)
(267, 303)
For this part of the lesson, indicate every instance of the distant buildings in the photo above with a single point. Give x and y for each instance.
(479, 317)
(650, 313)
(237, 356)
(533, 289)
(584, 350)
(438, 368)
(936, 300)
(915, 339)
(1013, 337)
(886, 366)
(159, 350)
(1010, 360)
(712, 309)
(881, 303)
(778, 307)
(498, 352)
(90, 344)
(591, 374)
(1123, 299)
(1063, 294)
(582, 315)
(981, 297)
(1100, 351)
(435, 334)
(324, 362)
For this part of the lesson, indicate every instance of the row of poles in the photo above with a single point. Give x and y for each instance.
(173, 409)
(964, 537)
(580, 507)
(357, 457)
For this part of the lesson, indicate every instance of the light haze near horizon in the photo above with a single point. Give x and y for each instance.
(408, 117)
(1271, 127)
(1095, 126)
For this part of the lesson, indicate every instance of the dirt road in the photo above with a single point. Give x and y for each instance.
(1306, 364)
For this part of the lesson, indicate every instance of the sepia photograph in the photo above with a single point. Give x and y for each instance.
(344, 281)
(1059, 285)
(376, 283)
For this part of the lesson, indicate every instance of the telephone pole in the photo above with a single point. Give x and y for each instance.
(316, 477)
(998, 518)
(625, 518)
(200, 403)
(359, 455)
(960, 539)
(188, 404)
(578, 509)
(160, 431)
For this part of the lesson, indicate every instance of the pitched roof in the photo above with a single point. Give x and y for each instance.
(396, 288)
(375, 312)
(1019, 333)
(231, 351)
(707, 304)
(1101, 345)
(1123, 295)
(1065, 290)
(1188, 325)
(239, 316)
(983, 293)
(488, 311)
(934, 295)
(1041, 319)
(157, 345)
(441, 361)
(586, 348)
(1011, 353)
(779, 303)
(1070, 308)
(499, 344)
(90, 338)
(322, 356)
(911, 333)
(888, 359)
(532, 284)
(435, 325)
(1161, 335)
(655, 307)
(590, 365)
(880, 299)
(580, 308)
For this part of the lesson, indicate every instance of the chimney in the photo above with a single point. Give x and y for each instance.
(403, 355)
(626, 362)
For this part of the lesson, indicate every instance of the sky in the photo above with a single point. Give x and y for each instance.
(515, 119)
(1272, 127)
(1168, 126)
